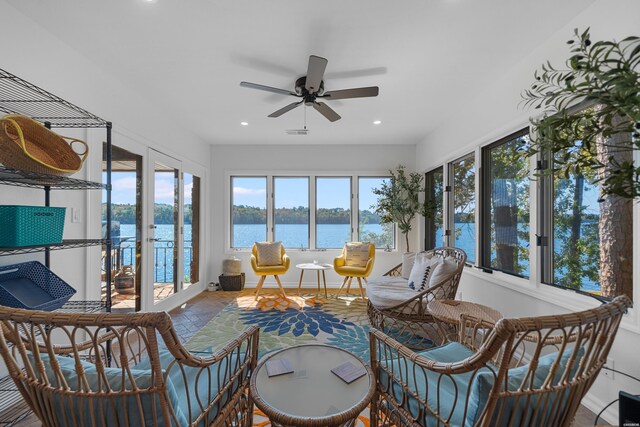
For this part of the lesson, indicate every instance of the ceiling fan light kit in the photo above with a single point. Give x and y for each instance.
(311, 88)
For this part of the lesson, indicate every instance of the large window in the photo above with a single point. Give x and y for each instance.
(369, 227)
(248, 211)
(463, 210)
(434, 224)
(506, 183)
(307, 212)
(587, 240)
(333, 212)
(291, 211)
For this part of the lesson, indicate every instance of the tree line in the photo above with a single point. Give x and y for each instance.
(299, 215)
(163, 213)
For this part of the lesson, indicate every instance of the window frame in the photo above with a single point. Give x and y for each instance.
(430, 227)
(273, 210)
(450, 190)
(230, 207)
(485, 202)
(356, 193)
(270, 232)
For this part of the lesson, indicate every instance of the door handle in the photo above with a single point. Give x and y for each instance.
(151, 239)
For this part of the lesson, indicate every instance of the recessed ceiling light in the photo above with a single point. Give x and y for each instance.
(244, 123)
(377, 122)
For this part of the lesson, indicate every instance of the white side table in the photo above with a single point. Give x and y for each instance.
(318, 268)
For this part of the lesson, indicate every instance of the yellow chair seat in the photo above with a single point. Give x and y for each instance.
(268, 270)
(352, 271)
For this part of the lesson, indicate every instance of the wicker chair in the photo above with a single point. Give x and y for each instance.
(408, 321)
(523, 372)
(108, 369)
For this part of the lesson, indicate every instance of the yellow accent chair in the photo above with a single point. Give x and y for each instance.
(269, 270)
(351, 266)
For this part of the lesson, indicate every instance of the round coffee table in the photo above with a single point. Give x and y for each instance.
(311, 395)
(450, 311)
(318, 268)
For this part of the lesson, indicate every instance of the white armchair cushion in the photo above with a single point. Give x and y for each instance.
(356, 254)
(443, 270)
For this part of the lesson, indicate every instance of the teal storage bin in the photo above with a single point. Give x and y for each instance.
(30, 225)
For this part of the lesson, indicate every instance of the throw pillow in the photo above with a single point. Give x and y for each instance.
(443, 270)
(408, 259)
(421, 272)
(269, 253)
(356, 254)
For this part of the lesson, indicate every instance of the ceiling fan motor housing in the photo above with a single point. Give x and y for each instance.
(302, 90)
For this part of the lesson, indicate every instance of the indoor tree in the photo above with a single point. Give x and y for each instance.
(590, 125)
(399, 200)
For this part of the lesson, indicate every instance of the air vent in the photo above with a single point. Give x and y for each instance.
(297, 132)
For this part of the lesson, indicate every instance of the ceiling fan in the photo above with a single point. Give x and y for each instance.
(311, 88)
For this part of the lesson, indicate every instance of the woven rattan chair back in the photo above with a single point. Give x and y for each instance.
(123, 369)
(522, 372)
(409, 322)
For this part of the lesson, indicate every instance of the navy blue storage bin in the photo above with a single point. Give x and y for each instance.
(33, 286)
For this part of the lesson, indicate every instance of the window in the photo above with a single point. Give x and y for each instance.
(434, 225)
(333, 212)
(248, 211)
(191, 229)
(587, 242)
(291, 211)
(369, 227)
(463, 210)
(505, 231)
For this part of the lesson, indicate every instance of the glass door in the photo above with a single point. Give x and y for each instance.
(126, 230)
(165, 218)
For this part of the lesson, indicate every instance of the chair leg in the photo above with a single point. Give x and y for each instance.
(361, 290)
(260, 282)
(349, 284)
(344, 282)
(280, 285)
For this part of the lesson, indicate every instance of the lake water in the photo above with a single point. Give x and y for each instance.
(293, 236)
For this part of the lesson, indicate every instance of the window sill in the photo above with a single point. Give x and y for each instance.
(564, 299)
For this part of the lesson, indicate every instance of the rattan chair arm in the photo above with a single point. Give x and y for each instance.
(479, 360)
(60, 349)
(420, 295)
(395, 271)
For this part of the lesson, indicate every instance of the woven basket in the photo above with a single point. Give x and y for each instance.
(27, 145)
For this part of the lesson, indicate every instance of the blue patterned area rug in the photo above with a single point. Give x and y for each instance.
(286, 322)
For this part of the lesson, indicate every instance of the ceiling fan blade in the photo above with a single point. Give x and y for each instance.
(326, 111)
(361, 92)
(285, 109)
(267, 88)
(315, 72)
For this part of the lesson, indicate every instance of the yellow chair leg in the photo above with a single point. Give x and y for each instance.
(280, 285)
(349, 284)
(260, 282)
(361, 290)
(344, 282)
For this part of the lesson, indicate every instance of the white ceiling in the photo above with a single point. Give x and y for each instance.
(188, 57)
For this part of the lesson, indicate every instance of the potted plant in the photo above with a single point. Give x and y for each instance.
(590, 124)
(399, 200)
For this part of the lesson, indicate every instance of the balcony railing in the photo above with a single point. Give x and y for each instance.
(163, 258)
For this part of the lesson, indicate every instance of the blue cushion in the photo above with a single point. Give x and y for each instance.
(444, 394)
(523, 408)
(114, 410)
(447, 394)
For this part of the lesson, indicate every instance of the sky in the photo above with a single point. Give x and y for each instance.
(294, 192)
(124, 187)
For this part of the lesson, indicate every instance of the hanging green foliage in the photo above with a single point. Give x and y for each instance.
(605, 74)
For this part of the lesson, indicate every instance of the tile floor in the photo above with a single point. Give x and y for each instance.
(197, 312)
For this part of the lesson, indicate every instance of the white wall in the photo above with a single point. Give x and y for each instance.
(494, 114)
(287, 159)
(33, 54)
